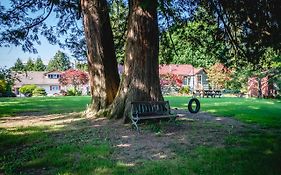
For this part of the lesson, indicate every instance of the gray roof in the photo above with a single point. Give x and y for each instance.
(35, 77)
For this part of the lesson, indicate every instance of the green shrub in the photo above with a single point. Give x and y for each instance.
(6, 90)
(27, 90)
(73, 92)
(39, 92)
(184, 90)
(3, 85)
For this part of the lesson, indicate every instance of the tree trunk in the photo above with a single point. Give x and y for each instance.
(259, 87)
(103, 71)
(140, 81)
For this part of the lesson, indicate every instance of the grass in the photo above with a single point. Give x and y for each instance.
(45, 105)
(265, 112)
(78, 148)
(72, 149)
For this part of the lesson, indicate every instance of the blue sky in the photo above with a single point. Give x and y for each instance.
(46, 51)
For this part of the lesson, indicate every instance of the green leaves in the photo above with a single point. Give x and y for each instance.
(29, 65)
(39, 65)
(27, 89)
(60, 62)
(118, 18)
(18, 66)
(194, 42)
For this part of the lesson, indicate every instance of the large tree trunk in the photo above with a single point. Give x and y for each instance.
(140, 81)
(103, 72)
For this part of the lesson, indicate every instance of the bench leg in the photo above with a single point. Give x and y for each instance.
(172, 119)
(134, 123)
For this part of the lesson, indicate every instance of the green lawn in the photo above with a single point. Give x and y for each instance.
(262, 111)
(79, 148)
(45, 105)
(266, 112)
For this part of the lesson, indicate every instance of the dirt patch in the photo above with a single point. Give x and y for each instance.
(154, 142)
(189, 132)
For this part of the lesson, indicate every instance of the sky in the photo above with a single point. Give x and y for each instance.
(46, 51)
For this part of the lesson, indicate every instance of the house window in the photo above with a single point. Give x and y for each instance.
(54, 88)
(199, 79)
(54, 76)
(186, 81)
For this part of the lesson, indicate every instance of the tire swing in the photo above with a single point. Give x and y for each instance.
(193, 99)
(190, 109)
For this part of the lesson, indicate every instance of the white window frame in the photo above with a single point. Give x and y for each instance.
(54, 88)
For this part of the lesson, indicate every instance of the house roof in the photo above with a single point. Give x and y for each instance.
(34, 77)
(179, 69)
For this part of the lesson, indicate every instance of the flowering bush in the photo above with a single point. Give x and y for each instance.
(170, 83)
(74, 78)
(171, 80)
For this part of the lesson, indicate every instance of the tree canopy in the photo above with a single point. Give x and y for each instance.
(29, 65)
(39, 65)
(195, 42)
(18, 66)
(59, 62)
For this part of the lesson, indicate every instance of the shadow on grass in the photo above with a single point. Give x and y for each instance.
(82, 147)
(75, 148)
(251, 154)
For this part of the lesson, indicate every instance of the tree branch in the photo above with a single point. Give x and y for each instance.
(228, 31)
(27, 28)
(170, 37)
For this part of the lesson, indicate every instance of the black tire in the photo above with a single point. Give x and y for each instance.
(197, 105)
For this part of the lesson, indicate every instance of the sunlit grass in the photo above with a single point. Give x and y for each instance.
(45, 105)
(265, 112)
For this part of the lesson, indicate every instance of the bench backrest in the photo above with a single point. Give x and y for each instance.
(147, 108)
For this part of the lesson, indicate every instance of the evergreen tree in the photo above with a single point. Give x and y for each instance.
(195, 42)
(39, 65)
(18, 66)
(81, 65)
(59, 62)
(29, 65)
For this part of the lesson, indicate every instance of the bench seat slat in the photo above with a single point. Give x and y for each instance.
(157, 116)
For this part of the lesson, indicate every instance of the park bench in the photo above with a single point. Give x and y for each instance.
(209, 93)
(217, 93)
(146, 110)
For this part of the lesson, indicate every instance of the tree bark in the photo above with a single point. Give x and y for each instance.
(140, 81)
(103, 72)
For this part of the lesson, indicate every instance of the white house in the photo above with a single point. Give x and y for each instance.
(47, 80)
